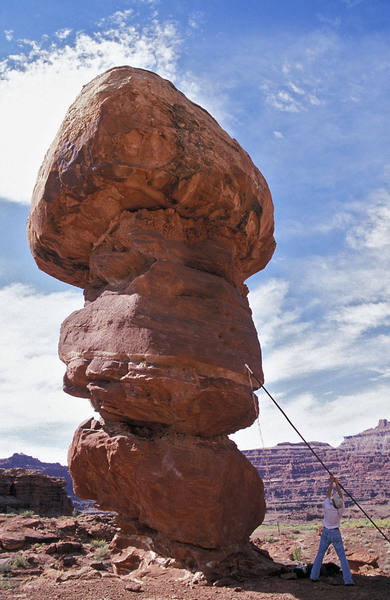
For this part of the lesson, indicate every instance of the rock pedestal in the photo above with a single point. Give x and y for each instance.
(146, 203)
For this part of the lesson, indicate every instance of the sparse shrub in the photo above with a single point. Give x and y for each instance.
(38, 545)
(102, 552)
(98, 543)
(19, 562)
(27, 513)
(296, 554)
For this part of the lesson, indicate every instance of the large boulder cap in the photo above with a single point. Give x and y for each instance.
(132, 141)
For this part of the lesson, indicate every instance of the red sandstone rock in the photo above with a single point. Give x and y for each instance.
(132, 141)
(149, 205)
(22, 489)
(171, 484)
(376, 439)
(192, 355)
(359, 560)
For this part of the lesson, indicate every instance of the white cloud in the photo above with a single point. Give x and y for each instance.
(196, 19)
(326, 324)
(316, 417)
(296, 89)
(360, 318)
(35, 411)
(9, 34)
(271, 314)
(62, 34)
(351, 3)
(38, 84)
(373, 230)
(340, 339)
(278, 134)
(282, 99)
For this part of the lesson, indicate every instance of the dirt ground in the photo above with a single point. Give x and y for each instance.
(269, 588)
(287, 544)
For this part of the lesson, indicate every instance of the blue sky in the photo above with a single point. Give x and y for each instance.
(304, 86)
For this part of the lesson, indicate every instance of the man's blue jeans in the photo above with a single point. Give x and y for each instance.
(331, 536)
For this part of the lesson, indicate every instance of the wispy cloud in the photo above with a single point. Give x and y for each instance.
(328, 419)
(373, 229)
(325, 333)
(35, 411)
(62, 34)
(39, 83)
(329, 315)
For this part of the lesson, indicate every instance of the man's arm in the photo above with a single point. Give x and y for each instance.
(329, 494)
(338, 488)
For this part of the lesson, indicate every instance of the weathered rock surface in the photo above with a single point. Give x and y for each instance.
(23, 461)
(296, 483)
(22, 489)
(149, 205)
(373, 440)
(132, 142)
(173, 484)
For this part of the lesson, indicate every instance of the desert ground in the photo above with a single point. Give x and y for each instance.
(68, 557)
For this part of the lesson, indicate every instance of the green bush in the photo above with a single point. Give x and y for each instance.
(102, 552)
(296, 554)
(98, 543)
(19, 562)
(27, 513)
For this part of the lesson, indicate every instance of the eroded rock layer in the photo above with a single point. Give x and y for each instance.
(296, 482)
(22, 489)
(149, 205)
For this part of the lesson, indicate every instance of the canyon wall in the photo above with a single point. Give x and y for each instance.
(296, 483)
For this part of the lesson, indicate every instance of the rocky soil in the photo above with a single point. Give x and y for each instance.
(68, 557)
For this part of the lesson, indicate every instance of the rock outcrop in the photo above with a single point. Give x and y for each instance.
(19, 460)
(146, 203)
(22, 489)
(373, 440)
(296, 482)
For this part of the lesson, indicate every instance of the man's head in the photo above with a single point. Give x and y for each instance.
(337, 501)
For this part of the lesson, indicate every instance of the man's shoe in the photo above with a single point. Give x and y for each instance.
(350, 583)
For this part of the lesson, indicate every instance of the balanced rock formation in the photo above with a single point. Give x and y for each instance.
(22, 489)
(146, 203)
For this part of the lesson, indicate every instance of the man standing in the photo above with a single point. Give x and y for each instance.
(333, 511)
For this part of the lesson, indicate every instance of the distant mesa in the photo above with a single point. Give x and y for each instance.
(295, 482)
(374, 439)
